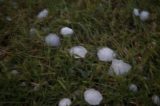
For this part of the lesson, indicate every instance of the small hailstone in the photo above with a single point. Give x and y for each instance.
(36, 86)
(65, 102)
(145, 78)
(14, 72)
(136, 12)
(66, 31)
(118, 67)
(52, 40)
(144, 15)
(8, 18)
(42, 14)
(106, 54)
(78, 52)
(93, 97)
(23, 84)
(32, 31)
(156, 100)
(133, 88)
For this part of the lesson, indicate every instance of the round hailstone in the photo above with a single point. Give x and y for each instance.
(66, 31)
(106, 54)
(78, 52)
(136, 12)
(23, 84)
(36, 87)
(42, 14)
(133, 88)
(52, 40)
(8, 18)
(65, 102)
(156, 100)
(93, 97)
(144, 15)
(14, 72)
(32, 31)
(118, 67)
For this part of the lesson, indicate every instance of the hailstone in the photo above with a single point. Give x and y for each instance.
(106, 54)
(78, 52)
(52, 40)
(42, 14)
(65, 102)
(23, 84)
(8, 18)
(118, 67)
(133, 88)
(144, 15)
(156, 100)
(14, 72)
(66, 31)
(136, 12)
(32, 31)
(93, 97)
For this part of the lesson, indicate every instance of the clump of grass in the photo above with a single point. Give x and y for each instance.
(96, 23)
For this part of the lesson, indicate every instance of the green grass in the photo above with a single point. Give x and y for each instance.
(97, 23)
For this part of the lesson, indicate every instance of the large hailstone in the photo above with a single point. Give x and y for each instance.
(93, 97)
(133, 88)
(106, 54)
(156, 100)
(118, 67)
(144, 15)
(42, 14)
(136, 12)
(78, 52)
(52, 40)
(66, 31)
(65, 102)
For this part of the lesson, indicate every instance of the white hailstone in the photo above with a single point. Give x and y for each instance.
(136, 12)
(36, 87)
(23, 84)
(118, 67)
(93, 97)
(52, 40)
(78, 52)
(14, 72)
(133, 88)
(32, 31)
(42, 14)
(144, 15)
(66, 31)
(106, 54)
(65, 102)
(8, 18)
(156, 100)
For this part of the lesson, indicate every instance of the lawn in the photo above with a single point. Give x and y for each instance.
(35, 74)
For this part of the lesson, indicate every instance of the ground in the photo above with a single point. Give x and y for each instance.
(97, 23)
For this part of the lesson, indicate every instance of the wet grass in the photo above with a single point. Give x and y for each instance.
(97, 23)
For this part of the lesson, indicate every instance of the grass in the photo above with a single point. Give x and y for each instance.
(97, 23)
